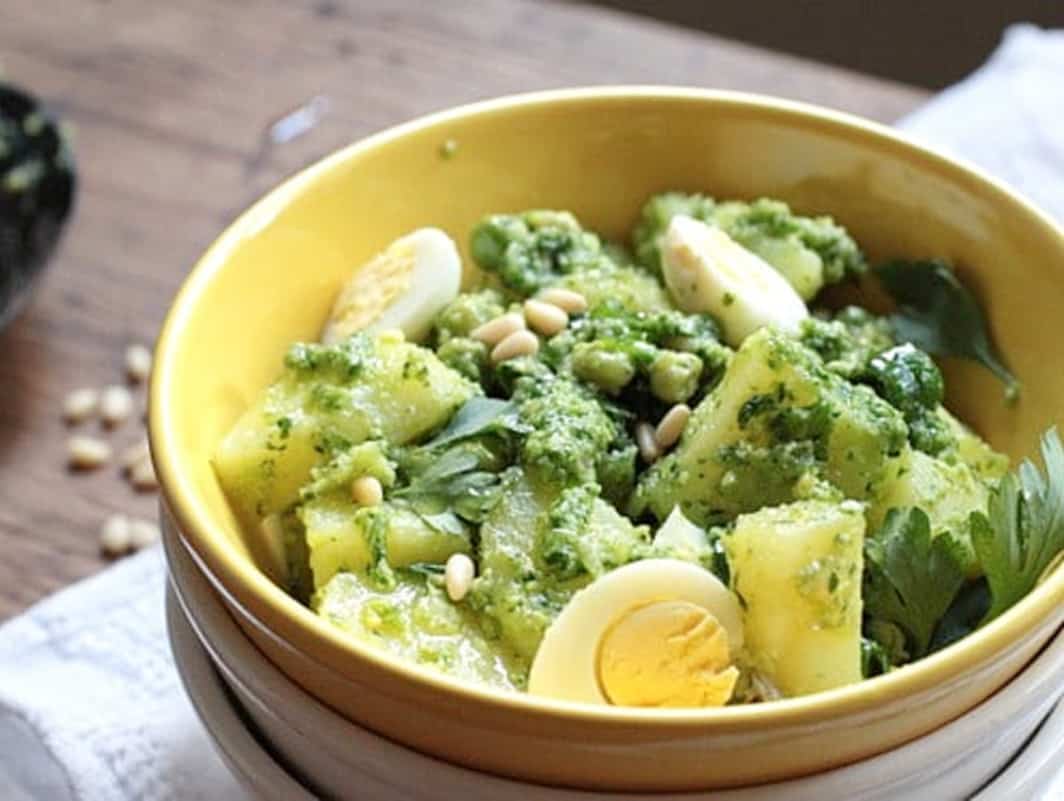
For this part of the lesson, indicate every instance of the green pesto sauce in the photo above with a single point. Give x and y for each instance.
(530, 466)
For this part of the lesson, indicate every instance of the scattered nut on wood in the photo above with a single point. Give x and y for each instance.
(458, 576)
(116, 405)
(138, 362)
(142, 475)
(87, 453)
(134, 453)
(80, 405)
(142, 533)
(116, 535)
(119, 534)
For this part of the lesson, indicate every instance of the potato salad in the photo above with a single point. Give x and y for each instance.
(668, 472)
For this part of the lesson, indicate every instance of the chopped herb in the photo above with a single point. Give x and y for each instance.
(284, 425)
(429, 570)
(379, 571)
(448, 148)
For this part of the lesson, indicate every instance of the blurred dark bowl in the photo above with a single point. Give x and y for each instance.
(37, 187)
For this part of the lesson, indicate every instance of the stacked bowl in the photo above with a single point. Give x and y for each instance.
(349, 721)
(284, 744)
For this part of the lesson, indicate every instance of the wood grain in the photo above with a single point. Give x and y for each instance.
(170, 103)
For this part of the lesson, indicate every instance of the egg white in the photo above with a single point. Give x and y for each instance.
(705, 270)
(426, 262)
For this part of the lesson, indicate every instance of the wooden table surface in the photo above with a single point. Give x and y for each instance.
(170, 103)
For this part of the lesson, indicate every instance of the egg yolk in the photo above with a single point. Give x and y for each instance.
(666, 654)
(373, 288)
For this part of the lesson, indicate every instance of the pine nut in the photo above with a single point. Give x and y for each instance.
(458, 576)
(142, 475)
(115, 535)
(672, 425)
(565, 299)
(138, 362)
(133, 454)
(545, 318)
(648, 444)
(80, 405)
(87, 453)
(495, 331)
(116, 405)
(519, 343)
(142, 533)
(367, 491)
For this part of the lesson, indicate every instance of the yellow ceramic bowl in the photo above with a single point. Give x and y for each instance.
(271, 277)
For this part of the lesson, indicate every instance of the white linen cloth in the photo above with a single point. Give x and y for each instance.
(91, 708)
(1007, 117)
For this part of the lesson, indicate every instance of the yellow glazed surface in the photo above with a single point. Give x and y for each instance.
(272, 276)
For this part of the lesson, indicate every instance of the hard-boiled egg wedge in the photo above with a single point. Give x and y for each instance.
(655, 633)
(706, 270)
(404, 287)
(680, 535)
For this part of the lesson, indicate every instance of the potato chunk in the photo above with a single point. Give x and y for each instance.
(797, 571)
(328, 398)
(777, 417)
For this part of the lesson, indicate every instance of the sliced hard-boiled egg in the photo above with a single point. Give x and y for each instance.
(706, 270)
(679, 534)
(403, 287)
(654, 633)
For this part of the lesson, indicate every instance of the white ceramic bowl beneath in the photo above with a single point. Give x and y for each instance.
(328, 752)
(245, 757)
(1037, 773)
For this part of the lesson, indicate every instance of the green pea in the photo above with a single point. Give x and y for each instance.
(609, 369)
(674, 376)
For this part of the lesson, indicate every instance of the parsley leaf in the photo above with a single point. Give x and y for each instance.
(478, 415)
(446, 523)
(455, 481)
(1023, 530)
(964, 615)
(939, 315)
(875, 660)
(454, 478)
(911, 578)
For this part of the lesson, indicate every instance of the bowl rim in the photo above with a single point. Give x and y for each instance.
(240, 579)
